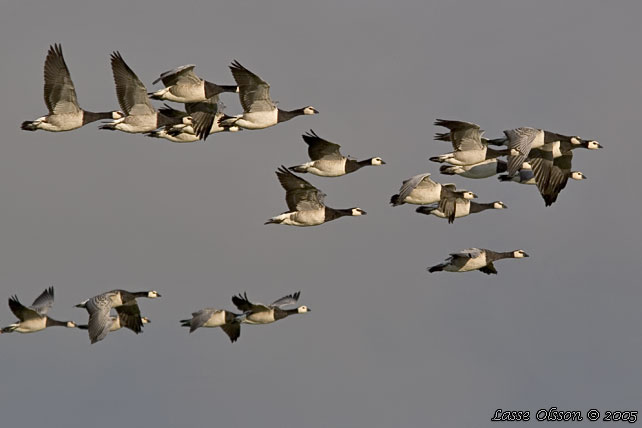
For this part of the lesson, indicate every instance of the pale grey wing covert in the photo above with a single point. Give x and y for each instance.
(100, 320)
(290, 299)
(409, 185)
(44, 302)
(183, 74)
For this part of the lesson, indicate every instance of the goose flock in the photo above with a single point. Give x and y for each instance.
(532, 156)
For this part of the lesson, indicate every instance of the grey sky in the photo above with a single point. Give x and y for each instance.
(386, 343)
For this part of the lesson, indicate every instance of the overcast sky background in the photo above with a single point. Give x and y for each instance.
(386, 343)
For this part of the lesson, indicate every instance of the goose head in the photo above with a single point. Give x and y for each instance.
(468, 195)
(519, 254)
(153, 294)
(377, 161)
(71, 324)
(302, 309)
(578, 175)
(310, 110)
(358, 211)
(499, 205)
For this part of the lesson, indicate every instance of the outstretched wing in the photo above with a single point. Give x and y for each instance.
(290, 299)
(130, 91)
(233, 330)
(243, 304)
(44, 302)
(21, 311)
(318, 148)
(60, 94)
(299, 194)
(254, 92)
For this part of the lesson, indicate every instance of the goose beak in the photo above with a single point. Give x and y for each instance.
(383, 162)
(526, 255)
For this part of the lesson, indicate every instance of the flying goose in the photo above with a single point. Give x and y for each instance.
(182, 85)
(475, 259)
(140, 115)
(463, 207)
(258, 313)
(305, 203)
(419, 190)
(483, 169)
(259, 111)
(552, 173)
(466, 139)
(203, 115)
(60, 98)
(34, 318)
(99, 308)
(229, 322)
(327, 160)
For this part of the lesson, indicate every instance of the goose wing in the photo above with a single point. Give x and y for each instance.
(254, 92)
(318, 148)
(463, 135)
(244, 304)
(60, 94)
(551, 174)
(420, 180)
(520, 139)
(468, 253)
(290, 299)
(204, 114)
(299, 194)
(201, 317)
(44, 302)
(21, 311)
(130, 91)
(100, 320)
(183, 75)
(129, 315)
(233, 330)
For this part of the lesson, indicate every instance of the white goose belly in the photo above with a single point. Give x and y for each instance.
(263, 317)
(423, 196)
(468, 265)
(258, 119)
(216, 320)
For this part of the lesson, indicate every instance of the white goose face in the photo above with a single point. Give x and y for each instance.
(519, 254)
(302, 309)
(593, 145)
(578, 175)
(469, 195)
(358, 211)
(310, 110)
(377, 161)
(499, 205)
(145, 320)
(71, 324)
(153, 294)
(117, 115)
